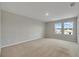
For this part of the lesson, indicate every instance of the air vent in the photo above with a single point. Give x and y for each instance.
(72, 4)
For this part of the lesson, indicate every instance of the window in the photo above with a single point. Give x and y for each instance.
(68, 28)
(58, 28)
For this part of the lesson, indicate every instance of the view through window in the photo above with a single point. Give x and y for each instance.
(58, 28)
(68, 28)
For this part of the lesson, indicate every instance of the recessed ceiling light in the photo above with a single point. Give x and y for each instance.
(47, 14)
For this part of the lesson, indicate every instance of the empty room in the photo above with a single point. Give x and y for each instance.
(39, 29)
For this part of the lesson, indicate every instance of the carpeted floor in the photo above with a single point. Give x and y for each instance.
(42, 48)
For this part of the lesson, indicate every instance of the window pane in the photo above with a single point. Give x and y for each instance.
(58, 27)
(68, 28)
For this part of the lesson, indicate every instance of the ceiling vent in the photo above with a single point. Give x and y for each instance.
(72, 4)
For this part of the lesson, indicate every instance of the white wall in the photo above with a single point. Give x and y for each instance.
(18, 29)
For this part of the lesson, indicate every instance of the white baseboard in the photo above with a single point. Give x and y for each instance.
(18, 43)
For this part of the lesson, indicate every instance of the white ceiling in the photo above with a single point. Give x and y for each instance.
(37, 10)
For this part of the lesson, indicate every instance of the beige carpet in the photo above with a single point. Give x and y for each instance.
(42, 48)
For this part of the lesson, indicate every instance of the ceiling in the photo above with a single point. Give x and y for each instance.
(37, 10)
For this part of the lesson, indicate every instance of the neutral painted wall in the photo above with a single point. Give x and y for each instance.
(78, 29)
(50, 30)
(0, 32)
(17, 28)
